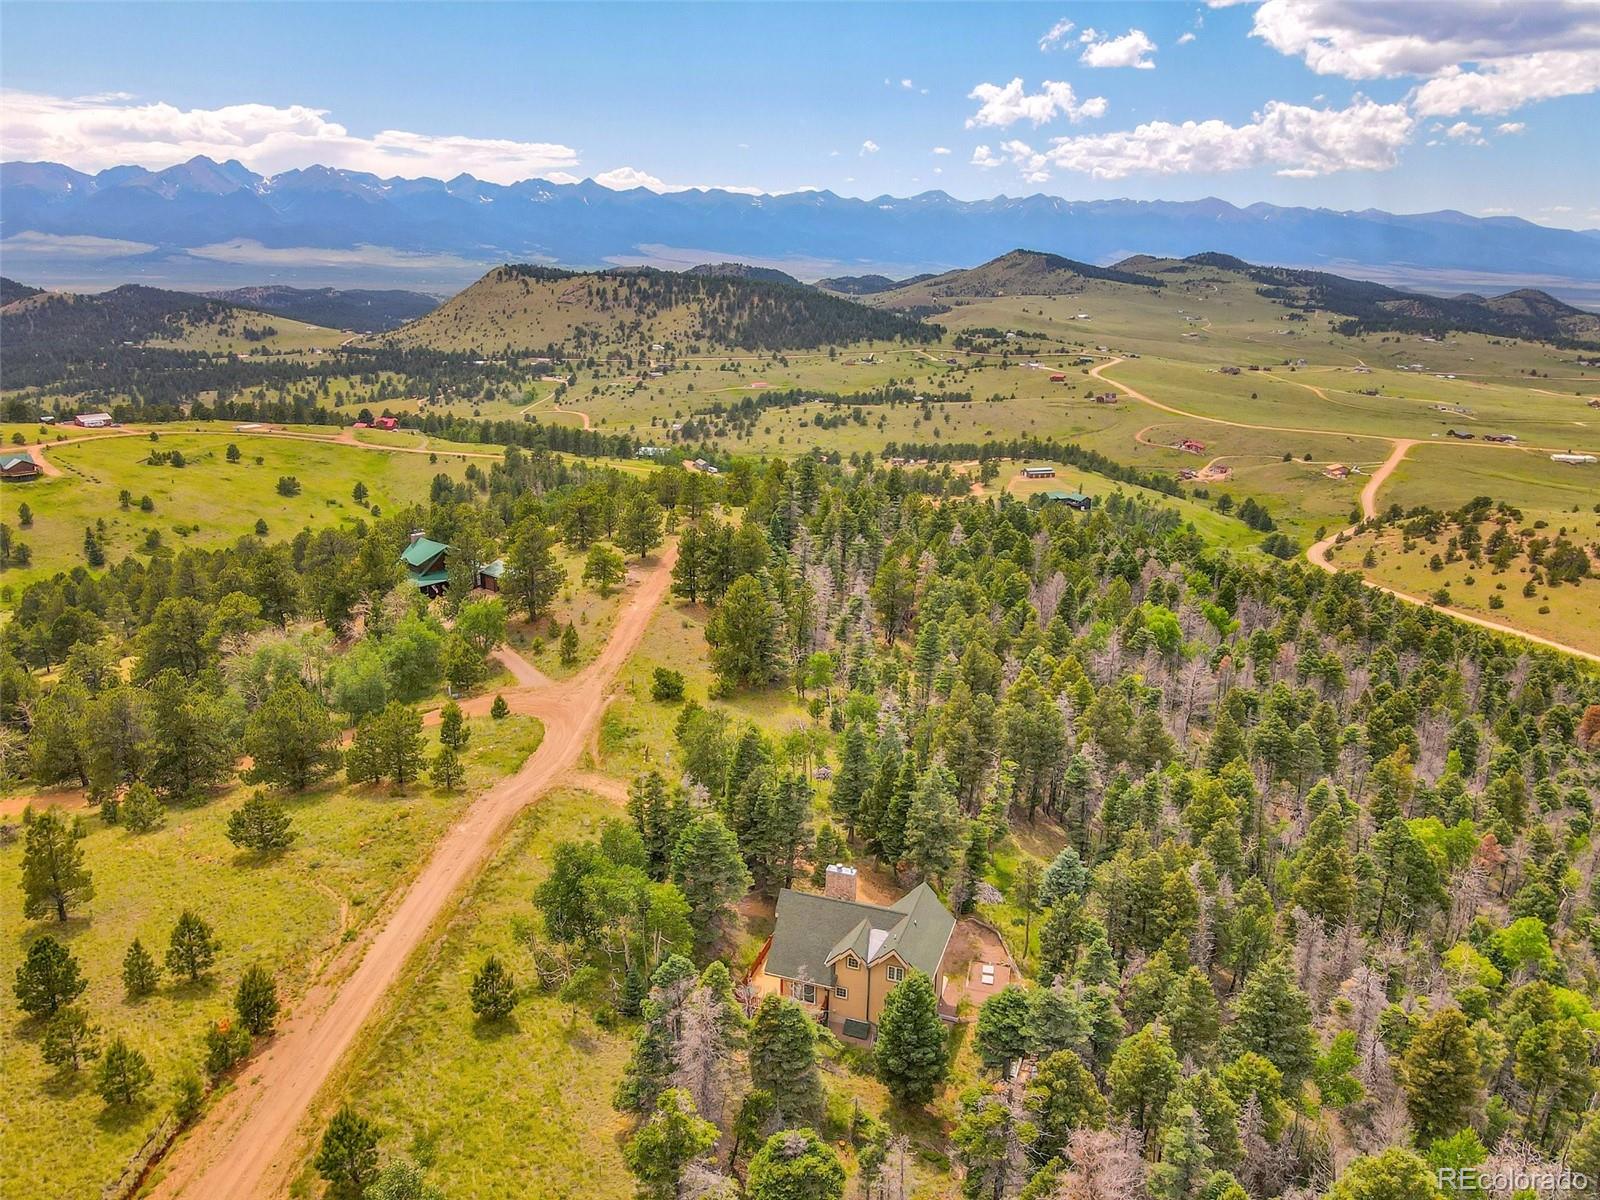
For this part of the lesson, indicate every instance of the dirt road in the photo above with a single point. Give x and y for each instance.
(252, 1142)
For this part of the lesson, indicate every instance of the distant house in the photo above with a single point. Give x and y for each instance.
(1192, 446)
(18, 468)
(1075, 500)
(1336, 471)
(1575, 460)
(93, 420)
(840, 957)
(1499, 437)
(1039, 472)
(1459, 435)
(386, 423)
(1058, 378)
(650, 452)
(360, 425)
(427, 569)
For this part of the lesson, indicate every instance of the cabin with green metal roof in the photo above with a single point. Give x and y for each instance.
(428, 571)
(1077, 500)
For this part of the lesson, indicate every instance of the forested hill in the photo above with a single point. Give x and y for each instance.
(50, 327)
(363, 311)
(1373, 307)
(1019, 273)
(12, 291)
(521, 307)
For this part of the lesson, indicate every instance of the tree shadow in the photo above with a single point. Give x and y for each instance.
(495, 1029)
(184, 988)
(65, 932)
(119, 1118)
(64, 1083)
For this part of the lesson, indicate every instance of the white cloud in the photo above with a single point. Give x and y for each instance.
(1494, 212)
(1003, 107)
(1294, 140)
(1186, 37)
(1130, 50)
(868, 147)
(95, 132)
(1520, 53)
(986, 158)
(907, 84)
(941, 149)
(1510, 127)
(1055, 33)
(622, 179)
(1501, 87)
(1463, 131)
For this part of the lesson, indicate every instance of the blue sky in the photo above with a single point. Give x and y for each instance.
(1478, 105)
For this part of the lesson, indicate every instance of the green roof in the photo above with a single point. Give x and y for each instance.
(493, 570)
(421, 552)
(431, 578)
(813, 930)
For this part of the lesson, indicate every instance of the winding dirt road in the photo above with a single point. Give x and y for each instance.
(251, 1143)
(1319, 553)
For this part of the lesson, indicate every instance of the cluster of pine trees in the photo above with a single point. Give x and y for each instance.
(1324, 915)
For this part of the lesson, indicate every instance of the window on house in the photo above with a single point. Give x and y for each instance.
(808, 992)
(896, 974)
(852, 962)
(842, 993)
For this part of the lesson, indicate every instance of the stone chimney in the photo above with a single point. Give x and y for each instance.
(841, 882)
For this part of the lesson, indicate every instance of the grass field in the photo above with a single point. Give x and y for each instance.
(353, 847)
(523, 1110)
(208, 501)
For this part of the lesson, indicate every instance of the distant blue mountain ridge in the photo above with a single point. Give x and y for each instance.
(220, 222)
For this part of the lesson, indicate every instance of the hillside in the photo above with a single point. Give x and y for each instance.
(1372, 307)
(1018, 273)
(360, 310)
(739, 270)
(46, 332)
(11, 291)
(528, 308)
(867, 285)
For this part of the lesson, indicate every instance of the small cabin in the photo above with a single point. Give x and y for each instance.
(386, 423)
(1077, 500)
(1039, 471)
(18, 468)
(1058, 378)
(93, 420)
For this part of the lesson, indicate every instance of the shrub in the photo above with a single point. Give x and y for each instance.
(666, 686)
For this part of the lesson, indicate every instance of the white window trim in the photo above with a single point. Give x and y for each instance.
(895, 974)
(852, 962)
(841, 993)
(808, 992)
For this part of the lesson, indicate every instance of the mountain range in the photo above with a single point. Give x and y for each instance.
(204, 223)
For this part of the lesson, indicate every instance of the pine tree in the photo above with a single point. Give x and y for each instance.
(795, 1165)
(1062, 1097)
(1325, 880)
(70, 1039)
(910, 1050)
(1185, 1159)
(933, 824)
(192, 948)
(1272, 1018)
(1439, 1072)
(783, 1060)
(141, 810)
(123, 1076)
(453, 731)
(347, 1157)
(569, 645)
(1002, 1035)
(499, 710)
(140, 972)
(446, 772)
(256, 1001)
(54, 877)
(48, 979)
(494, 991)
(260, 824)
(1143, 1072)
(853, 778)
(292, 740)
(666, 1144)
(707, 866)
(1194, 1016)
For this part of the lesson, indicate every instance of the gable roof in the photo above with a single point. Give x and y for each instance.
(421, 552)
(8, 461)
(813, 931)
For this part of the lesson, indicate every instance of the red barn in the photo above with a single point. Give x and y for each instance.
(385, 423)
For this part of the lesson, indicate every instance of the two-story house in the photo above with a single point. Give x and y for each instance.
(840, 957)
